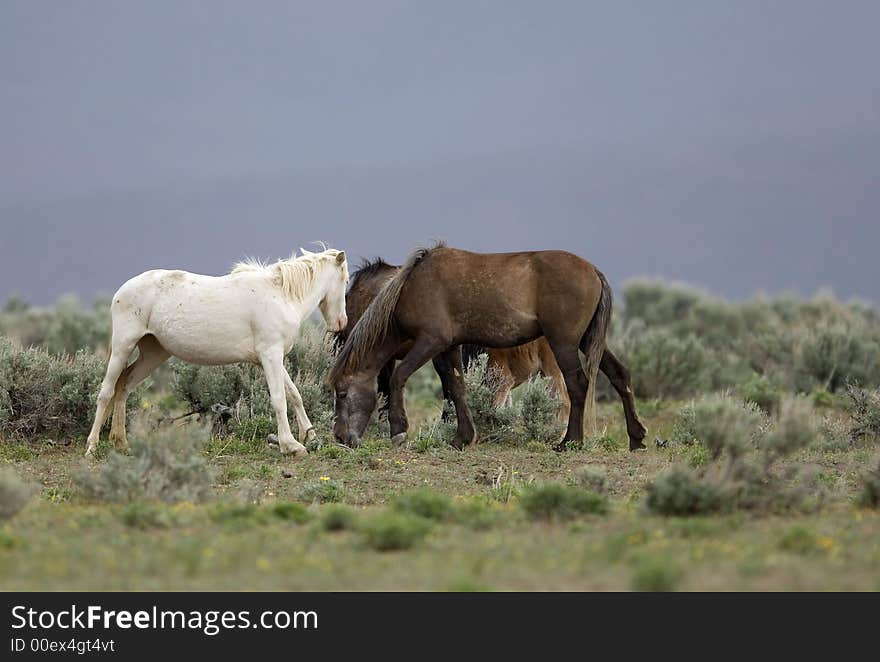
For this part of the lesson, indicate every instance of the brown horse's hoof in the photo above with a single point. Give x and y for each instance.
(561, 446)
(459, 443)
(635, 445)
(398, 439)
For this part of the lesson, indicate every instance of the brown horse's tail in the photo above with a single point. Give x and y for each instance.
(593, 345)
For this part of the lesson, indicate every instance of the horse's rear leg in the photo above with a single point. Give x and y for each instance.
(619, 377)
(150, 356)
(443, 374)
(119, 353)
(451, 370)
(566, 354)
(273, 366)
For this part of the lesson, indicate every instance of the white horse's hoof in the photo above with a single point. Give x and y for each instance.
(296, 449)
(272, 439)
(311, 435)
(398, 439)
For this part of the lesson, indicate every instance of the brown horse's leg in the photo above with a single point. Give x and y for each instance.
(451, 370)
(422, 351)
(443, 374)
(384, 386)
(576, 384)
(619, 377)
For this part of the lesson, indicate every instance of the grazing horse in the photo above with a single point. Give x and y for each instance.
(513, 365)
(444, 297)
(251, 315)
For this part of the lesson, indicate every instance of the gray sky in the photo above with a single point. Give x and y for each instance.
(734, 145)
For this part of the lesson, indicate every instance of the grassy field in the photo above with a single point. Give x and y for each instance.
(269, 523)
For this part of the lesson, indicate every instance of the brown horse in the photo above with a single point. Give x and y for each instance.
(444, 297)
(509, 367)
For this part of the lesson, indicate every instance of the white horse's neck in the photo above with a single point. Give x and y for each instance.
(309, 302)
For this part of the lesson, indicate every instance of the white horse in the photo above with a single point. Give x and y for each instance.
(252, 315)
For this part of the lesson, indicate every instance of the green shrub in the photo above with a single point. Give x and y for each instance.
(429, 437)
(538, 410)
(793, 430)
(557, 501)
(833, 353)
(425, 503)
(531, 417)
(225, 393)
(476, 513)
(391, 531)
(64, 328)
(43, 395)
(604, 442)
(169, 467)
(14, 493)
(799, 540)
(254, 428)
(824, 399)
(834, 434)
(796, 343)
(741, 448)
(656, 575)
(681, 492)
(337, 517)
(140, 515)
(684, 429)
(763, 392)
(290, 511)
(493, 424)
(331, 451)
(721, 423)
(323, 490)
(593, 479)
(239, 515)
(864, 413)
(664, 364)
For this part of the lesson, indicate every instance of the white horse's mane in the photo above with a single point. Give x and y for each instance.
(294, 276)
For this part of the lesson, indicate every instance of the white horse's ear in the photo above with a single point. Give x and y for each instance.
(340, 258)
(305, 252)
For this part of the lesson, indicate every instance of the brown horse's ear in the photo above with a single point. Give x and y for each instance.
(340, 258)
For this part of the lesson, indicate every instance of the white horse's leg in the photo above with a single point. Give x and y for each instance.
(306, 430)
(273, 366)
(151, 356)
(119, 354)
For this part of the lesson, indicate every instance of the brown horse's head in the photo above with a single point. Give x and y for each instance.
(355, 402)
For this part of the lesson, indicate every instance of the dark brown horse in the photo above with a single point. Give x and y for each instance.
(512, 366)
(444, 297)
(509, 367)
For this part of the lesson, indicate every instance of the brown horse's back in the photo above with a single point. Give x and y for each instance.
(499, 299)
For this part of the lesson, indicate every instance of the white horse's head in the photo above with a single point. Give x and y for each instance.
(332, 306)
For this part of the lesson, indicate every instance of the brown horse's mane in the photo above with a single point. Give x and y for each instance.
(365, 268)
(368, 268)
(373, 325)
